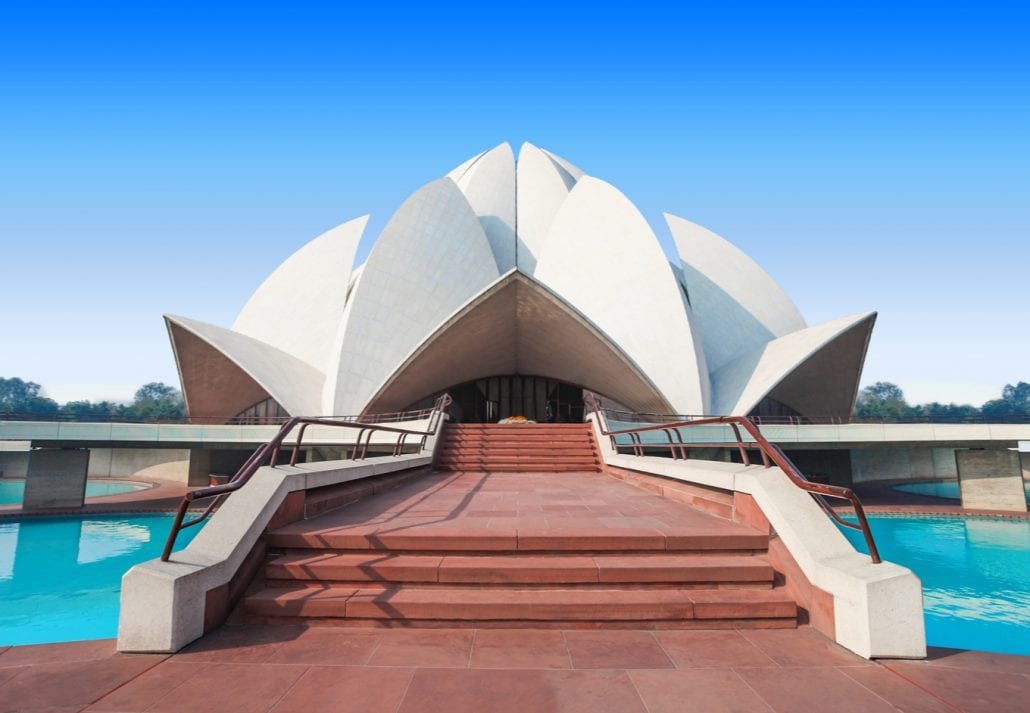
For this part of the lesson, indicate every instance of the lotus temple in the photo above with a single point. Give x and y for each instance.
(511, 285)
(518, 459)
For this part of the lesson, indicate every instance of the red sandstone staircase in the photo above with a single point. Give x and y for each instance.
(550, 579)
(518, 448)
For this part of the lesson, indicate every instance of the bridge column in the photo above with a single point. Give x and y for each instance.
(991, 480)
(200, 467)
(56, 478)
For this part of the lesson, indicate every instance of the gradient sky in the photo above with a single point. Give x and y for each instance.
(166, 157)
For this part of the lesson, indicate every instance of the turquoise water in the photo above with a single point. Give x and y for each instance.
(941, 488)
(60, 577)
(12, 491)
(975, 573)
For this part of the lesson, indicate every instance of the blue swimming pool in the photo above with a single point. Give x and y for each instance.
(12, 491)
(975, 573)
(60, 577)
(948, 489)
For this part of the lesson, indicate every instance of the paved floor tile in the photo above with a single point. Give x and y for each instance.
(803, 646)
(615, 649)
(519, 648)
(697, 691)
(440, 648)
(231, 688)
(146, 690)
(507, 691)
(793, 690)
(328, 647)
(346, 689)
(240, 644)
(73, 683)
(902, 694)
(972, 691)
(711, 649)
(58, 653)
(977, 660)
(6, 674)
(503, 502)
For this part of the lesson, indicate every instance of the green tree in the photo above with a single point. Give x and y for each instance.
(946, 413)
(882, 402)
(88, 409)
(23, 397)
(155, 402)
(1013, 404)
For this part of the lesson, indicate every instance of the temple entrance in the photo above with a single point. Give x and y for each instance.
(535, 397)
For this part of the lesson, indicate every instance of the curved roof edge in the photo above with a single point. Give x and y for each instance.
(305, 295)
(294, 384)
(829, 356)
(544, 335)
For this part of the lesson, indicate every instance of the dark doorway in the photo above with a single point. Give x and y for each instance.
(535, 397)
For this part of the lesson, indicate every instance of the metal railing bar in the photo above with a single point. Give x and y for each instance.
(771, 454)
(270, 452)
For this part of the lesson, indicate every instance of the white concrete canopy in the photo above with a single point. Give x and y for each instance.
(602, 258)
(298, 307)
(543, 185)
(518, 326)
(431, 258)
(224, 372)
(814, 371)
(736, 304)
(489, 185)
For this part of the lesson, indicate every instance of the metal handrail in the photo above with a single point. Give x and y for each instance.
(269, 453)
(770, 453)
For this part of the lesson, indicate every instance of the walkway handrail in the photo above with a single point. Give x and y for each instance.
(269, 453)
(771, 454)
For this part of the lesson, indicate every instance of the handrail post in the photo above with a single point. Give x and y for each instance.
(740, 444)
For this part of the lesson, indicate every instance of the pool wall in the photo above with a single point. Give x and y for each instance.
(158, 464)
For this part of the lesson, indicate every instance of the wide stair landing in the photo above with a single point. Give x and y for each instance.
(539, 550)
(518, 448)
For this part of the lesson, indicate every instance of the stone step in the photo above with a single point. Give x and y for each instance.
(544, 447)
(396, 538)
(529, 463)
(412, 604)
(556, 454)
(525, 427)
(521, 569)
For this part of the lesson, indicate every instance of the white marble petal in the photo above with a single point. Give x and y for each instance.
(295, 384)
(298, 307)
(737, 306)
(574, 171)
(431, 258)
(542, 186)
(488, 183)
(601, 256)
(458, 172)
(833, 354)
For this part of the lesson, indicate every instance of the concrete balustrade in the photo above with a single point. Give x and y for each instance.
(877, 609)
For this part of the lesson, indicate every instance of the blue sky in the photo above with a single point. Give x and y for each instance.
(165, 157)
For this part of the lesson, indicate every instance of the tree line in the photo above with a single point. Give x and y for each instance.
(156, 401)
(885, 402)
(152, 402)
